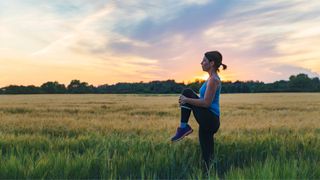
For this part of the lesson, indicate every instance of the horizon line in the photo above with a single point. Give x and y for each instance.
(184, 82)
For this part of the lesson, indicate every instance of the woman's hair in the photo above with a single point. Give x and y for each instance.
(216, 57)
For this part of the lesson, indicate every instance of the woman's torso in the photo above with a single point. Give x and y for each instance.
(215, 105)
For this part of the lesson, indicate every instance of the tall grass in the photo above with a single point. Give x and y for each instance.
(115, 136)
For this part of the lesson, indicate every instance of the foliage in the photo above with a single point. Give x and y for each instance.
(53, 88)
(298, 83)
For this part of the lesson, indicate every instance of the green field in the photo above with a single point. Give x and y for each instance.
(128, 136)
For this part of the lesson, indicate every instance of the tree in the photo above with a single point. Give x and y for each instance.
(279, 86)
(13, 89)
(301, 82)
(53, 88)
(196, 85)
(316, 84)
(77, 87)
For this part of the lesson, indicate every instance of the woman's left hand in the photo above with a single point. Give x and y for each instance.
(183, 99)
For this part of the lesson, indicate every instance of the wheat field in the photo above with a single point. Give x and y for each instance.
(275, 135)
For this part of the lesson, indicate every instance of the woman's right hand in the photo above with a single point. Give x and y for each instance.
(182, 99)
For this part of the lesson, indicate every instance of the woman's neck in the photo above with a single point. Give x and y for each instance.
(212, 72)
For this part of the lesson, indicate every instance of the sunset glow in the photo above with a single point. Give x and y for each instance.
(104, 42)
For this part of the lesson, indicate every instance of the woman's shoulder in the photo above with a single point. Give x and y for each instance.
(214, 79)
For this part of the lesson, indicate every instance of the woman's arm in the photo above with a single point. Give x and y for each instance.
(212, 85)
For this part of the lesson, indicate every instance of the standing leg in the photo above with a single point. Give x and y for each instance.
(206, 144)
(208, 125)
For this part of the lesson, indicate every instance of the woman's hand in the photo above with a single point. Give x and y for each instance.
(183, 99)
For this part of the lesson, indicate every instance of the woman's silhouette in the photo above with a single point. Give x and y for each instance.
(206, 108)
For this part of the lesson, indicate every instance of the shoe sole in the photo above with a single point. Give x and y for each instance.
(189, 132)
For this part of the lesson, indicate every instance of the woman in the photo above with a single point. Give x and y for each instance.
(206, 109)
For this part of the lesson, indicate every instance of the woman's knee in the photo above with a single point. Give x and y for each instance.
(216, 127)
(204, 132)
(188, 92)
(207, 130)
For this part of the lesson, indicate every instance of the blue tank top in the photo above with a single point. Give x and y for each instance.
(215, 106)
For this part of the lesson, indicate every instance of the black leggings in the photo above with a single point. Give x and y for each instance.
(209, 124)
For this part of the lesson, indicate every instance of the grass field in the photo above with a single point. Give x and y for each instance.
(127, 136)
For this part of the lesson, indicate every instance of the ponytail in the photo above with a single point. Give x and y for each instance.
(224, 66)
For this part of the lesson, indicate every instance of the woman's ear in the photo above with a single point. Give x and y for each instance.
(212, 63)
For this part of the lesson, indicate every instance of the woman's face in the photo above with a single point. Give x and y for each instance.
(205, 64)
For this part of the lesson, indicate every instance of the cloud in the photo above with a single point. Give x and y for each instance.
(285, 71)
(164, 39)
(266, 34)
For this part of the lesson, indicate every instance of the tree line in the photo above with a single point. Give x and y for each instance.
(296, 83)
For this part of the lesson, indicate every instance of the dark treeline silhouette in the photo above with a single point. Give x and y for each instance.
(296, 83)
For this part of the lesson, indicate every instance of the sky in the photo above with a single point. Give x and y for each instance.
(110, 41)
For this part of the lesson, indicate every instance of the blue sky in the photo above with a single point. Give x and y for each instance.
(129, 41)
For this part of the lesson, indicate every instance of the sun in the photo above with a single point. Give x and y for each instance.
(205, 76)
(201, 77)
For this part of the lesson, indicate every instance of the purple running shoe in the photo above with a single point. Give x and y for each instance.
(181, 133)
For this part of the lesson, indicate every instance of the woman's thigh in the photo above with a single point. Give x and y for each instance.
(206, 119)
(190, 93)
